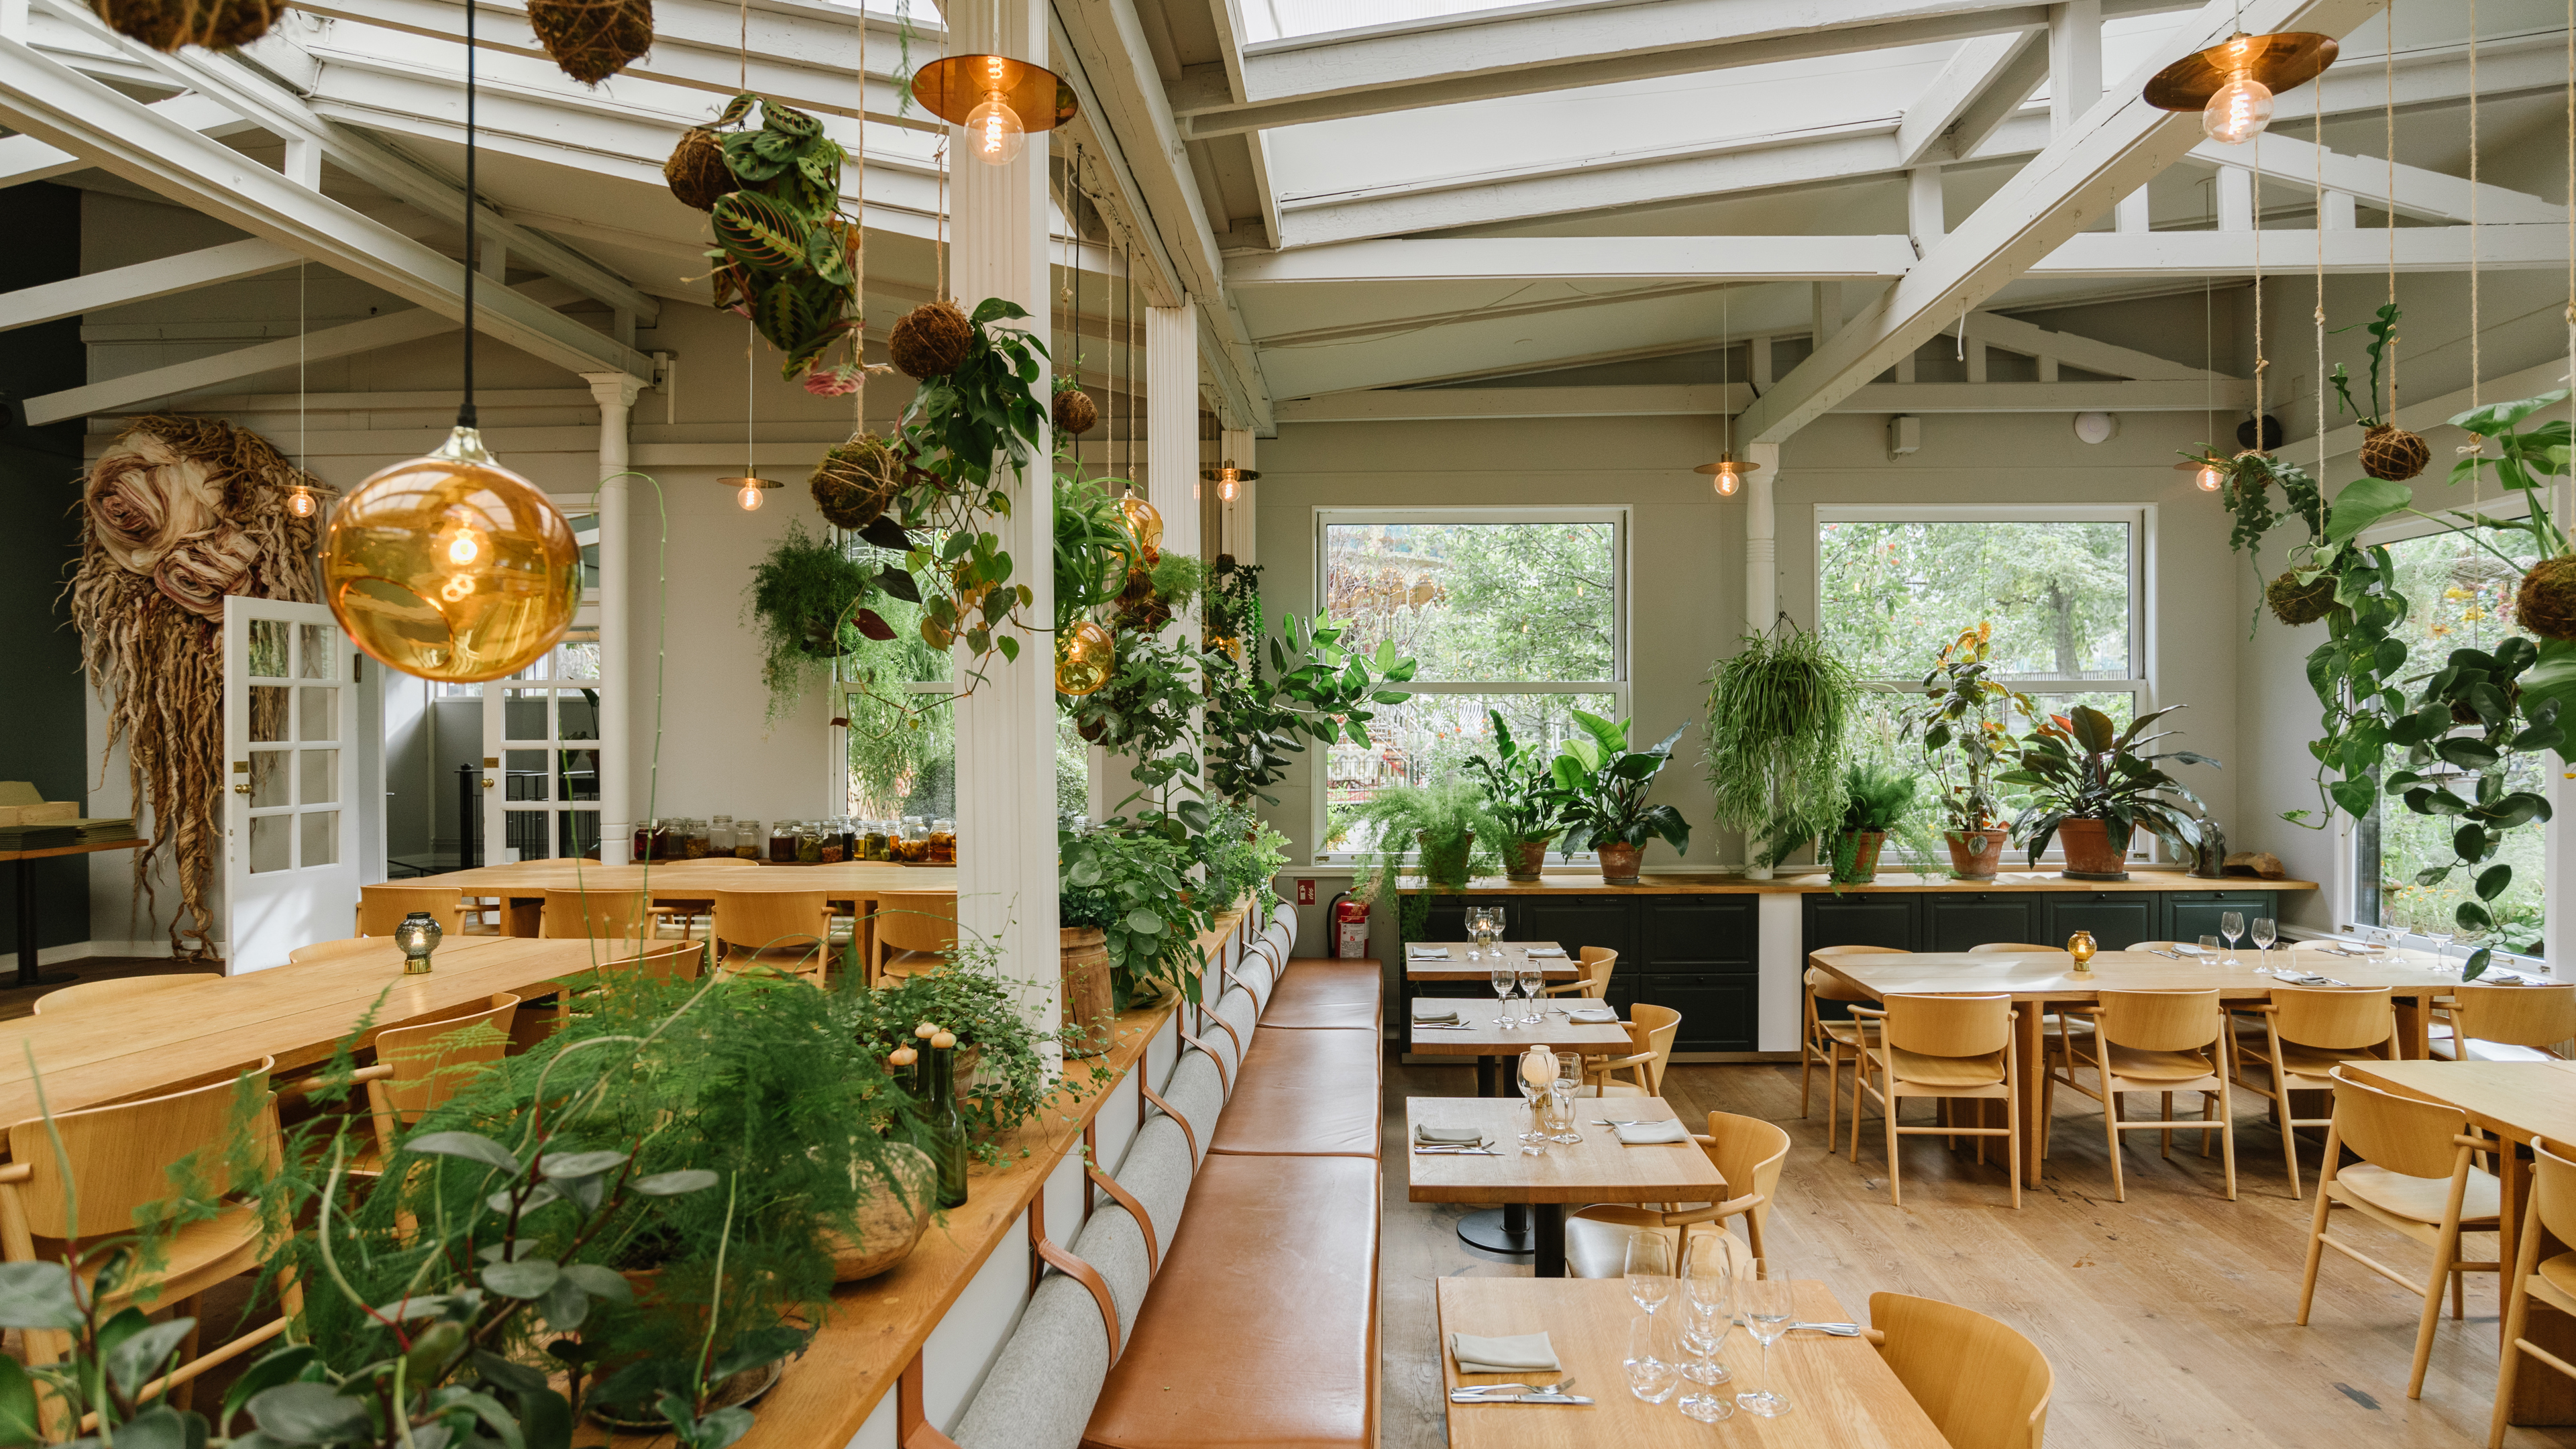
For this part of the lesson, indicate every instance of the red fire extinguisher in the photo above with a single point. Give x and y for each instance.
(1350, 927)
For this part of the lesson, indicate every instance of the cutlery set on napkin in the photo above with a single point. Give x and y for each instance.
(1427, 953)
(1520, 1353)
(1442, 1015)
(1593, 1016)
(1431, 1141)
(2309, 980)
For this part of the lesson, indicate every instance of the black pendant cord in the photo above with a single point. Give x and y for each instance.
(465, 410)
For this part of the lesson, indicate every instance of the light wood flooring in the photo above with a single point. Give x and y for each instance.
(2167, 1318)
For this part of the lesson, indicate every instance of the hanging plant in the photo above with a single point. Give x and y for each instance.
(856, 481)
(166, 25)
(2388, 452)
(931, 340)
(1778, 714)
(2468, 778)
(785, 257)
(1075, 412)
(696, 171)
(592, 40)
(2525, 462)
(809, 599)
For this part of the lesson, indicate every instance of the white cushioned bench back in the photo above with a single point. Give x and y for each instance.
(1039, 1392)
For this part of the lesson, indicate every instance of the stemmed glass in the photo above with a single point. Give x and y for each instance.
(1561, 1097)
(2441, 949)
(2231, 924)
(1503, 980)
(2266, 931)
(1649, 1270)
(1707, 1291)
(1762, 1291)
(1537, 1068)
(1533, 978)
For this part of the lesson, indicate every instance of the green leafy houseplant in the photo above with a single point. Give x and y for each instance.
(1131, 879)
(1778, 715)
(970, 995)
(2084, 770)
(1601, 789)
(1240, 853)
(1880, 808)
(1520, 788)
(1961, 733)
(784, 253)
(809, 601)
(1447, 828)
(1260, 715)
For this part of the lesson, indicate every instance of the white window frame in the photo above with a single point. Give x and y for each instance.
(1619, 516)
(2140, 686)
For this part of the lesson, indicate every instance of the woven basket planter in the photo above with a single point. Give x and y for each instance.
(2546, 602)
(930, 340)
(856, 481)
(592, 40)
(2393, 453)
(696, 172)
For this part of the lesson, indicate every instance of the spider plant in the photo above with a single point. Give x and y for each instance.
(1778, 714)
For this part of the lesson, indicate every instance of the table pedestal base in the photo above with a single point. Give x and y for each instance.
(29, 973)
(1499, 1230)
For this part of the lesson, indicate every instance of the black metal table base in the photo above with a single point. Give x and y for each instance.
(29, 972)
(1499, 1230)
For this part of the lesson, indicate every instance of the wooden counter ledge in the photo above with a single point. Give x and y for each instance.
(1818, 883)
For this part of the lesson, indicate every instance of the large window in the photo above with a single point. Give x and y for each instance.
(2459, 595)
(1520, 611)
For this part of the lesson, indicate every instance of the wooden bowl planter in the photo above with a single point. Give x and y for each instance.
(891, 1224)
(1088, 1004)
(1976, 854)
(2089, 853)
(1619, 863)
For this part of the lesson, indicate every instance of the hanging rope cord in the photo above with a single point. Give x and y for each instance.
(465, 417)
(2318, 94)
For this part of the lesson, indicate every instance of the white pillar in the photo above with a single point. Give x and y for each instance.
(1006, 873)
(1825, 316)
(2131, 215)
(2235, 199)
(618, 753)
(2339, 212)
(2074, 61)
(1172, 481)
(1240, 535)
(1761, 567)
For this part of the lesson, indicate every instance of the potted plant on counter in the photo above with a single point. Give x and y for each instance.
(1131, 880)
(1601, 787)
(1880, 806)
(2092, 783)
(1449, 828)
(1961, 733)
(1521, 791)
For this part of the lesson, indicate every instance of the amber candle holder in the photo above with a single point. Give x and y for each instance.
(2081, 947)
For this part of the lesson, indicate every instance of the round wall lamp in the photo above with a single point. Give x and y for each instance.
(2232, 83)
(2096, 427)
(999, 101)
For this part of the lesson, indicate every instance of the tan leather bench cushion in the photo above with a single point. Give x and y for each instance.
(1305, 1093)
(1262, 1327)
(1327, 994)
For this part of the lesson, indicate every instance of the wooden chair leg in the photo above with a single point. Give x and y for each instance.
(2446, 1251)
(1895, 1194)
(1860, 1078)
(185, 1395)
(2316, 1255)
(1807, 1070)
(1833, 1086)
(2167, 1134)
(2226, 1134)
(2517, 1314)
(2111, 1129)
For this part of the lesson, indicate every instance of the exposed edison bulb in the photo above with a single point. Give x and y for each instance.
(2209, 478)
(1726, 482)
(2238, 111)
(993, 129)
(464, 546)
(1226, 486)
(300, 503)
(748, 498)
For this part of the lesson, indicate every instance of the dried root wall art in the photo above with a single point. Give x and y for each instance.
(178, 513)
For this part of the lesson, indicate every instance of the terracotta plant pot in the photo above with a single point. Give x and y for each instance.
(1619, 863)
(1524, 860)
(1863, 865)
(891, 1223)
(2089, 855)
(1445, 864)
(1977, 854)
(1088, 1004)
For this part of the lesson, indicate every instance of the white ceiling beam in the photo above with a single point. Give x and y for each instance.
(2067, 348)
(132, 142)
(2417, 192)
(2107, 153)
(1973, 69)
(2517, 246)
(1443, 404)
(1986, 114)
(141, 282)
(2074, 61)
(24, 158)
(1560, 47)
(134, 390)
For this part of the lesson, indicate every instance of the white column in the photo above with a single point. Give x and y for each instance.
(2235, 199)
(2131, 214)
(615, 392)
(2339, 212)
(1826, 312)
(2074, 61)
(1240, 536)
(1761, 567)
(1006, 880)
(1172, 481)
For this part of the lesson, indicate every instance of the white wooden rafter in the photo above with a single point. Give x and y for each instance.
(141, 282)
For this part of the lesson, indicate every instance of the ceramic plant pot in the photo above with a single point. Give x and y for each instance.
(1619, 863)
(1860, 865)
(1977, 854)
(2089, 854)
(892, 1222)
(1524, 860)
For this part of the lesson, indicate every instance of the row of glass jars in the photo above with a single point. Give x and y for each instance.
(810, 842)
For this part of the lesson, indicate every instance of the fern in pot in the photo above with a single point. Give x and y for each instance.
(1449, 827)
(1881, 807)
(1967, 747)
(1779, 713)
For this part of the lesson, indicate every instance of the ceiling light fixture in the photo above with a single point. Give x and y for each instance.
(2204, 471)
(747, 490)
(2232, 83)
(1228, 479)
(1000, 101)
(1728, 473)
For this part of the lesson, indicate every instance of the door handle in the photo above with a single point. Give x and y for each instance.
(241, 789)
(487, 782)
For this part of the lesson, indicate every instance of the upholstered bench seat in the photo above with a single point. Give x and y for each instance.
(1262, 1326)
(1305, 1093)
(1327, 994)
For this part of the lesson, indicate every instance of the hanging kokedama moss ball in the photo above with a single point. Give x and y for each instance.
(2393, 453)
(1075, 412)
(170, 24)
(592, 40)
(2295, 603)
(856, 480)
(2546, 602)
(930, 340)
(696, 172)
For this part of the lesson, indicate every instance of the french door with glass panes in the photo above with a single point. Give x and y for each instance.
(541, 726)
(290, 820)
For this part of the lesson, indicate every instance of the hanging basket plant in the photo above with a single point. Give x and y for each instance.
(2301, 596)
(785, 257)
(2388, 452)
(592, 40)
(696, 172)
(856, 481)
(2546, 602)
(167, 25)
(1075, 412)
(809, 599)
(931, 340)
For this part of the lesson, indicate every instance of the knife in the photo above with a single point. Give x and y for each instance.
(1469, 1396)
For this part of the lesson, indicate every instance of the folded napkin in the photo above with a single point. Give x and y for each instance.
(1424, 1132)
(1522, 1353)
(1428, 953)
(2303, 980)
(1593, 1015)
(1547, 950)
(1648, 1133)
(1428, 1010)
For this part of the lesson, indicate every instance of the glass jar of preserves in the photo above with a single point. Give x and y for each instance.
(872, 841)
(849, 831)
(782, 840)
(834, 850)
(643, 846)
(697, 842)
(668, 839)
(747, 840)
(943, 842)
(809, 843)
(720, 835)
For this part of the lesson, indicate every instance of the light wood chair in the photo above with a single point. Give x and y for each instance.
(1594, 984)
(382, 907)
(575, 915)
(118, 1158)
(420, 1066)
(785, 933)
(1943, 1047)
(2306, 1032)
(2552, 1205)
(907, 931)
(2151, 1041)
(2414, 1178)
(92, 995)
(1981, 1382)
(1830, 1039)
(2051, 1022)
(663, 961)
(335, 950)
(1651, 1030)
(1747, 1153)
(2505, 1023)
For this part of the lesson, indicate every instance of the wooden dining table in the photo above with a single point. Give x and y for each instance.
(295, 1013)
(1600, 1168)
(2041, 981)
(1841, 1394)
(1456, 967)
(521, 885)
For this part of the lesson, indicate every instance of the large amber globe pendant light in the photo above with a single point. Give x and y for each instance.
(450, 566)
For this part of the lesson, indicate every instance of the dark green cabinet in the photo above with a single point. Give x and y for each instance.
(1962, 920)
(2115, 918)
(1959, 922)
(1698, 954)
(2190, 915)
(1864, 919)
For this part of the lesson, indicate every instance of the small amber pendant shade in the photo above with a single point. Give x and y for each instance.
(1143, 520)
(1085, 657)
(452, 567)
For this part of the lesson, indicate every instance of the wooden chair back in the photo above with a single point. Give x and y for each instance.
(575, 915)
(382, 907)
(2553, 1187)
(1749, 1153)
(2334, 1018)
(2009, 948)
(788, 921)
(2162, 1021)
(1949, 1026)
(2408, 1135)
(335, 950)
(431, 1059)
(91, 995)
(1828, 988)
(1652, 1029)
(1983, 1385)
(2532, 1016)
(1598, 963)
(915, 921)
(119, 1155)
(668, 961)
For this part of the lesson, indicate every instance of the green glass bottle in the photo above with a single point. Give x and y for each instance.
(947, 1128)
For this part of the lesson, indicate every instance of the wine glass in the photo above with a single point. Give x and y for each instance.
(1503, 980)
(1762, 1291)
(1649, 1269)
(2266, 931)
(2441, 940)
(2231, 924)
(1708, 1287)
(1533, 979)
(1649, 1363)
(1561, 1097)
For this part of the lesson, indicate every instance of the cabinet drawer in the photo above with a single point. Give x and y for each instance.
(1957, 922)
(2115, 918)
(1577, 922)
(1697, 931)
(1892, 920)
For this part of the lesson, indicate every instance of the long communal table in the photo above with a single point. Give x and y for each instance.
(521, 886)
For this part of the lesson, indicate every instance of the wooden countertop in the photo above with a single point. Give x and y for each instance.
(677, 879)
(1819, 883)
